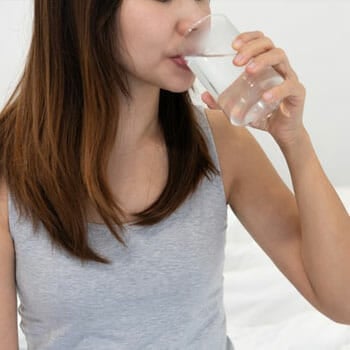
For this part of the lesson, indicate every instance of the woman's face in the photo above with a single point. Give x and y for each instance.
(151, 31)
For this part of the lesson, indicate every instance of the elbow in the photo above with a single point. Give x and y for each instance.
(338, 312)
(341, 318)
(333, 301)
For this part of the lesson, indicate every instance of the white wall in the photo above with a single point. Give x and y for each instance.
(314, 33)
(15, 31)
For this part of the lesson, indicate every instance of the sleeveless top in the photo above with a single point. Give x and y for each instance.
(163, 290)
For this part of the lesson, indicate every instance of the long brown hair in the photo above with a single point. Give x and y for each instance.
(58, 127)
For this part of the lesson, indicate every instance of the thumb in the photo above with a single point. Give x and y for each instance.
(209, 100)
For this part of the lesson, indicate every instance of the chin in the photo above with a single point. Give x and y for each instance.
(177, 91)
(180, 86)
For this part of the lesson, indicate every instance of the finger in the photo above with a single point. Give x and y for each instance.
(209, 101)
(252, 49)
(260, 123)
(293, 91)
(276, 58)
(245, 37)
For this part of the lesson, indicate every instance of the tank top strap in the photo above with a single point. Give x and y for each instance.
(204, 124)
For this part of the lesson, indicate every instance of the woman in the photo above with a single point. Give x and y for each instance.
(114, 186)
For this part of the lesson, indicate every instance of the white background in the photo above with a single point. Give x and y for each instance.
(316, 37)
(314, 33)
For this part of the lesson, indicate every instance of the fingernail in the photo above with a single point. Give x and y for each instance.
(267, 96)
(239, 58)
(237, 44)
(251, 65)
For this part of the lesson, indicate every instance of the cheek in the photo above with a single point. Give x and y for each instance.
(141, 27)
(145, 47)
(144, 24)
(139, 39)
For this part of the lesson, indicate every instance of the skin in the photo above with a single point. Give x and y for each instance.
(8, 299)
(306, 234)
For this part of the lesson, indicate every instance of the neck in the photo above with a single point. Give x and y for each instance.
(138, 119)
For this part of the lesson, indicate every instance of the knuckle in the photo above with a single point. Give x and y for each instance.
(240, 36)
(247, 36)
(268, 43)
(280, 52)
(297, 88)
(259, 33)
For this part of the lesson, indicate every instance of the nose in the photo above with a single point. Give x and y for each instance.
(189, 17)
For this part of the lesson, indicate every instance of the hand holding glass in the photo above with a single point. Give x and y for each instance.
(207, 49)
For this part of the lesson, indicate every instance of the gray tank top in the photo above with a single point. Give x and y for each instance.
(163, 291)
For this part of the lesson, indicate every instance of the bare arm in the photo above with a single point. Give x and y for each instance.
(274, 218)
(8, 297)
(261, 201)
(325, 227)
(307, 236)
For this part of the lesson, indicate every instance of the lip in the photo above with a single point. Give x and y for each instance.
(180, 61)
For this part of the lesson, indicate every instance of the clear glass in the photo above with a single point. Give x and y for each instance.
(207, 49)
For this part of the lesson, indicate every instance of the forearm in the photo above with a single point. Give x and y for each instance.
(325, 228)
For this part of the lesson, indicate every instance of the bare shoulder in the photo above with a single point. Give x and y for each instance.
(233, 144)
(5, 237)
(8, 300)
(3, 206)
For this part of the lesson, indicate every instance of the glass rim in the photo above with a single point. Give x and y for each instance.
(205, 18)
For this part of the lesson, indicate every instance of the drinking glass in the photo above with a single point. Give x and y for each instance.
(207, 50)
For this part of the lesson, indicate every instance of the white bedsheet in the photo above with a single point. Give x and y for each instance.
(264, 311)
